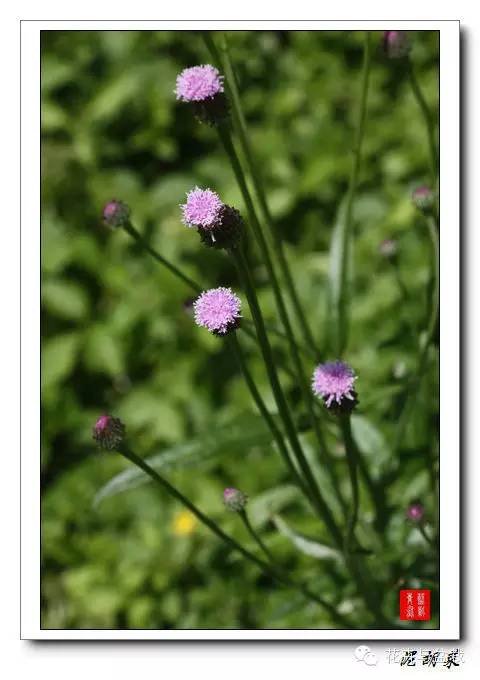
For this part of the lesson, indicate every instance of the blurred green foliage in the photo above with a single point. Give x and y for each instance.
(116, 336)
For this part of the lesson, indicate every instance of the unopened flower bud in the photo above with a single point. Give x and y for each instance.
(396, 44)
(116, 214)
(423, 198)
(108, 432)
(415, 512)
(234, 499)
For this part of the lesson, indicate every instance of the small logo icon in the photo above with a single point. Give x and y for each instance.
(415, 605)
(365, 654)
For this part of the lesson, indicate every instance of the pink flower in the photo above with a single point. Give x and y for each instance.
(217, 310)
(197, 83)
(334, 381)
(203, 209)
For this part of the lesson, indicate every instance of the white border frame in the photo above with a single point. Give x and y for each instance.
(449, 335)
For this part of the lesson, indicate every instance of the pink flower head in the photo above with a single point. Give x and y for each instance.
(396, 44)
(203, 209)
(108, 432)
(234, 499)
(334, 382)
(415, 512)
(197, 83)
(116, 213)
(217, 310)
(423, 198)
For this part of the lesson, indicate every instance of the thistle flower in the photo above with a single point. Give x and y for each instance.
(219, 225)
(203, 209)
(396, 44)
(217, 310)
(116, 214)
(423, 198)
(108, 432)
(202, 86)
(234, 499)
(415, 512)
(388, 248)
(334, 381)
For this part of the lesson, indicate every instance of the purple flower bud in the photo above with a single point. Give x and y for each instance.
(234, 499)
(219, 225)
(423, 198)
(415, 512)
(388, 248)
(202, 86)
(108, 432)
(116, 214)
(396, 44)
(218, 310)
(334, 381)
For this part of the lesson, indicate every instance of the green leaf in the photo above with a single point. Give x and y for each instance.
(103, 352)
(65, 299)
(305, 545)
(262, 507)
(234, 438)
(58, 358)
(371, 443)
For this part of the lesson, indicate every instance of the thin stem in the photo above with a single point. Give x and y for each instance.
(413, 386)
(196, 287)
(130, 229)
(303, 384)
(245, 519)
(280, 400)
(241, 130)
(228, 540)
(435, 247)
(421, 529)
(351, 454)
(277, 434)
(341, 337)
(428, 121)
(300, 586)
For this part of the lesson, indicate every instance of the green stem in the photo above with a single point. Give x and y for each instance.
(245, 519)
(421, 529)
(299, 586)
(413, 386)
(316, 497)
(303, 384)
(342, 336)
(231, 542)
(130, 229)
(196, 287)
(258, 185)
(428, 122)
(277, 434)
(351, 454)
(435, 248)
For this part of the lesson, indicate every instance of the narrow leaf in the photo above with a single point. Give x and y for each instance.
(235, 438)
(305, 545)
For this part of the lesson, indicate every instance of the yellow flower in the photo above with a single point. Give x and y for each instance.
(184, 523)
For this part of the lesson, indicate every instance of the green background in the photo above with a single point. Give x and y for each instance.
(116, 337)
